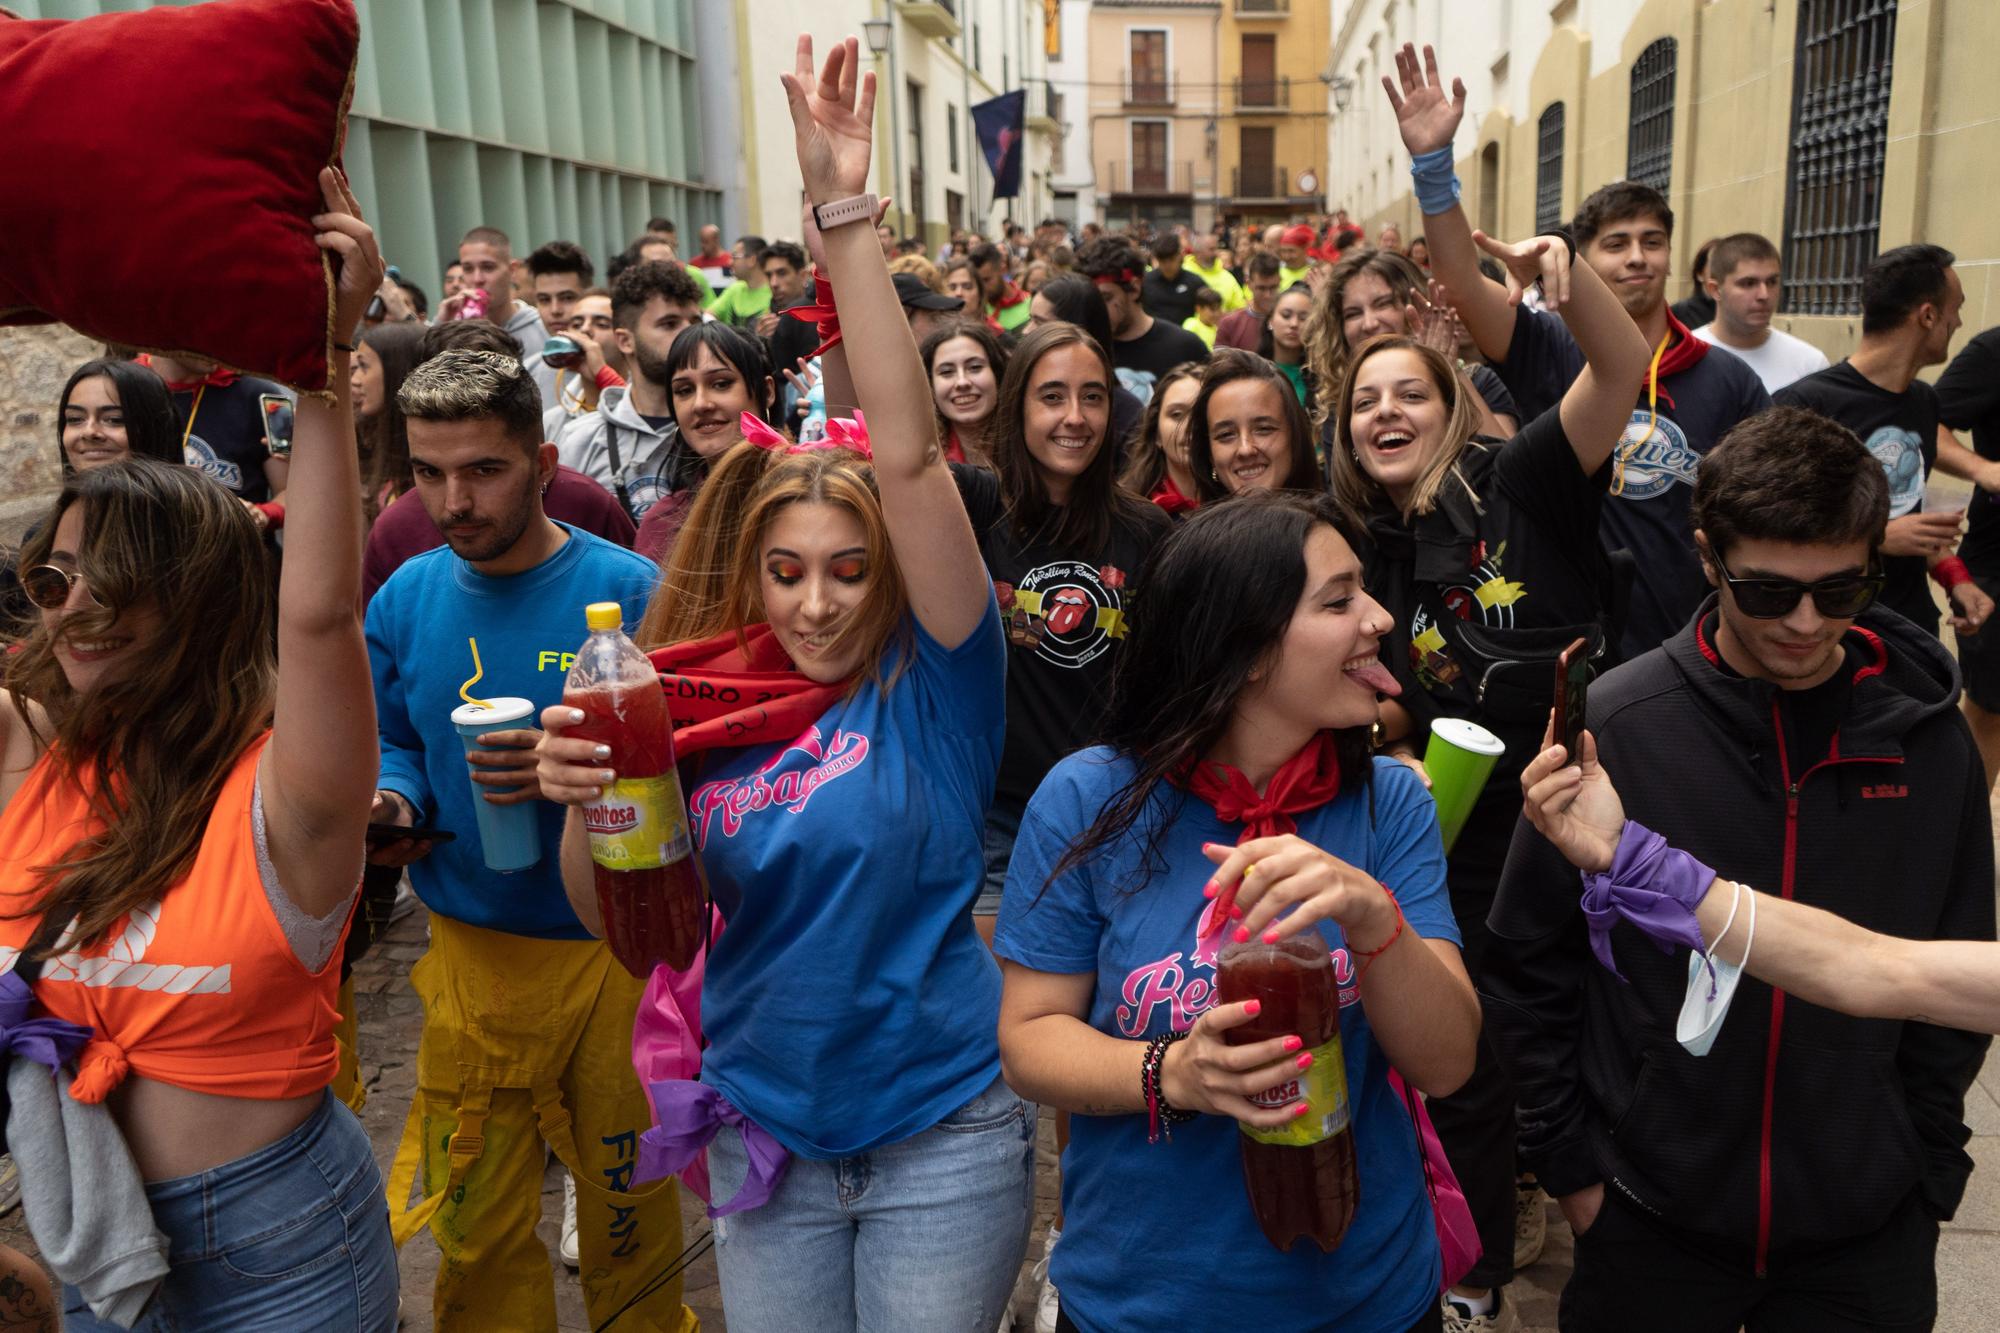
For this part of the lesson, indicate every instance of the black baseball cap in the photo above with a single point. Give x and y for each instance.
(910, 290)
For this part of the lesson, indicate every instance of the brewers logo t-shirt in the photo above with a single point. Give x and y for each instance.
(1647, 513)
(1900, 429)
(1066, 613)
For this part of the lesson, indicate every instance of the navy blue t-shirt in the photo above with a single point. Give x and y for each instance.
(1651, 487)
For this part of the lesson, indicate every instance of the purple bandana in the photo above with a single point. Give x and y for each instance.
(1651, 885)
(48, 1041)
(691, 1114)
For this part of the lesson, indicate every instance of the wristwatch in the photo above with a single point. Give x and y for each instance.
(854, 208)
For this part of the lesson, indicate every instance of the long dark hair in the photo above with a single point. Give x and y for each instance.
(150, 746)
(385, 438)
(996, 357)
(1096, 500)
(1228, 366)
(152, 429)
(1234, 575)
(746, 353)
(1076, 302)
(1146, 464)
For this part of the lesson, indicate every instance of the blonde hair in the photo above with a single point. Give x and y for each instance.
(1351, 483)
(713, 580)
(926, 271)
(467, 385)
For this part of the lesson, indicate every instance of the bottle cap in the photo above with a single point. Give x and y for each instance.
(604, 615)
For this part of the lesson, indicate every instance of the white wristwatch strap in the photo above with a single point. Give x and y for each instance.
(854, 208)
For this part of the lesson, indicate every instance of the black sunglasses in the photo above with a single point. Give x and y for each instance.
(1841, 597)
(48, 586)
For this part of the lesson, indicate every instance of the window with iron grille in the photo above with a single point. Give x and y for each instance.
(1549, 169)
(1649, 152)
(1840, 123)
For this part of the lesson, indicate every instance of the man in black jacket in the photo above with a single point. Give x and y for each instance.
(1791, 738)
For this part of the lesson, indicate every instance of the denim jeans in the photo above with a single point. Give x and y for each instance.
(1003, 825)
(289, 1239)
(922, 1236)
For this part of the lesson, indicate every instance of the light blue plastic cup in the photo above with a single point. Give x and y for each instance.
(510, 836)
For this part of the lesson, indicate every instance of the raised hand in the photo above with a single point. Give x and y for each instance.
(832, 120)
(809, 229)
(1573, 805)
(352, 241)
(1434, 322)
(1539, 258)
(1426, 118)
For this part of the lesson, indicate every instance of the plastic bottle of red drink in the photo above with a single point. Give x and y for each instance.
(649, 887)
(1300, 1175)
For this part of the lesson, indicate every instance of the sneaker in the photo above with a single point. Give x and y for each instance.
(1047, 1298)
(1502, 1318)
(567, 1245)
(1531, 1224)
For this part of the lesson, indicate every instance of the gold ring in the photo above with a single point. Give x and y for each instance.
(1250, 870)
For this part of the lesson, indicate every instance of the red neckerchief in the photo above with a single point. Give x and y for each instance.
(219, 378)
(954, 452)
(1011, 296)
(1168, 497)
(710, 683)
(1683, 351)
(1306, 781)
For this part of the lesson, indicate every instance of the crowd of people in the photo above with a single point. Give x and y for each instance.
(1101, 609)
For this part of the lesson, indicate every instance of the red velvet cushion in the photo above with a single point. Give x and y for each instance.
(158, 174)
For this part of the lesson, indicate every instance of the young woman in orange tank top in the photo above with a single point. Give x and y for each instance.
(180, 846)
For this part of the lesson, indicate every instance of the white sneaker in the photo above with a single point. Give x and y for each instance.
(567, 1245)
(1047, 1298)
(1531, 1224)
(1502, 1318)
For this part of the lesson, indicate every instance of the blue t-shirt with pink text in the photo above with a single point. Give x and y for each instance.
(1153, 1231)
(849, 1003)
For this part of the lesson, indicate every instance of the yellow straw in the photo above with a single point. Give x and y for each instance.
(465, 690)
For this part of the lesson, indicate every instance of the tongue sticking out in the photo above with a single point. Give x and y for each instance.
(1376, 677)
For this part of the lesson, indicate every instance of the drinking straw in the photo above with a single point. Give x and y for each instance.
(465, 690)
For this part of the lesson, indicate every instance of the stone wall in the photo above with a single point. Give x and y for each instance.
(34, 362)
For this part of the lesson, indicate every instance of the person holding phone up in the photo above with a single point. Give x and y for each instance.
(1486, 556)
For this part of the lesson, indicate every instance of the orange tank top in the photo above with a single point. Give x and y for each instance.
(198, 988)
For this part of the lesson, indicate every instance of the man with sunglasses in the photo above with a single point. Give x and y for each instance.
(1910, 299)
(1796, 736)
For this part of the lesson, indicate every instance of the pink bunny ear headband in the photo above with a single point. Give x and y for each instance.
(841, 433)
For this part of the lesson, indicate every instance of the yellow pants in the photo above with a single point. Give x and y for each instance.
(528, 1043)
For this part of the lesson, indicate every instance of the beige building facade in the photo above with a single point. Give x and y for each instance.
(1837, 128)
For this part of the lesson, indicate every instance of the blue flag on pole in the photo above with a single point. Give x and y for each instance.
(998, 123)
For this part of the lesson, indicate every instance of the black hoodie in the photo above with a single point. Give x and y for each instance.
(1801, 1126)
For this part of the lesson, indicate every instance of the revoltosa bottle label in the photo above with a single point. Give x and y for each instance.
(638, 824)
(1323, 1088)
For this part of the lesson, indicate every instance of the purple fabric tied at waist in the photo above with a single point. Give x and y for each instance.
(691, 1114)
(49, 1041)
(1651, 885)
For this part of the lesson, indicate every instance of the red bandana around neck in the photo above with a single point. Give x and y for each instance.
(1306, 781)
(726, 692)
(1683, 350)
(219, 378)
(1168, 497)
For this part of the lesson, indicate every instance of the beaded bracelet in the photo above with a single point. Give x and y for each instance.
(1160, 1117)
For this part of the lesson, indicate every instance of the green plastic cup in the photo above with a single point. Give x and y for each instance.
(1459, 758)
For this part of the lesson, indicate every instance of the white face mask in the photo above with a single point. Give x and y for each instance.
(1712, 985)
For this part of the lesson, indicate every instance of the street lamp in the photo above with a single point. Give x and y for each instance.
(881, 33)
(1343, 91)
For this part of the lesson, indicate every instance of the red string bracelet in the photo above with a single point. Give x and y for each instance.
(1368, 956)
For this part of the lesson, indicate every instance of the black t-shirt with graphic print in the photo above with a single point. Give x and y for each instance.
(1900, 429)
(1649, 497)
(1142, 360)
(236, 427)
(1485, 596)
(1066, 615)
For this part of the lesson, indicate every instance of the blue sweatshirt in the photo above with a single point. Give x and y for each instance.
(529, 627)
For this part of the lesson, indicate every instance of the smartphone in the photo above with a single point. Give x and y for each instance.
(381, 833)
(1573, 672)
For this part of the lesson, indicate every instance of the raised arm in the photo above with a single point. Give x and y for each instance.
(833, 117)
(319, 771)
(1428, 121)
(1598, 402)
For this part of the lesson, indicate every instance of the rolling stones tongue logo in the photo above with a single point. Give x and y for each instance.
(1067, 611)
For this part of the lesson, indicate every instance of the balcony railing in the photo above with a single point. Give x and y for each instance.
(1149, 88)
(1263, 9)
(933, 18)
(1122, 177)
(1263, 94)
(1257, 182)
